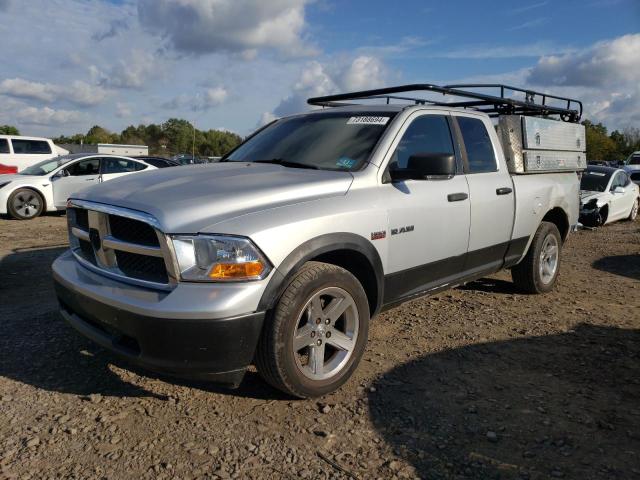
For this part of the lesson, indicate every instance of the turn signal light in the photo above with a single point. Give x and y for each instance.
(236, 270)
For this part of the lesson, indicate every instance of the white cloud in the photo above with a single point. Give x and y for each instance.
(47, 116)
(123, 110)
(612, 62)
(318, 79)
(205, 100)
(131, 72)
(79, 93)
(236, 26)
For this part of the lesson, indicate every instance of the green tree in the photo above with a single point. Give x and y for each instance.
(97, 134)
(599, 145)
(9, 130)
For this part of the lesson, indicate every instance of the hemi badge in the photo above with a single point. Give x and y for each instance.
(378, 235)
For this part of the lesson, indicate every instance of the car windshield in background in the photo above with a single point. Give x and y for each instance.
(46, 166)
(342, 141)
(634, 160)
(593, 181)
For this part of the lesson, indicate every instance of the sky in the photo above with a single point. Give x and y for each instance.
(235, 64)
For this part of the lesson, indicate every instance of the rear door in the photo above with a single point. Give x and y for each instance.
(492, 199)
(73, 178)
(114, 167)
(428, 229)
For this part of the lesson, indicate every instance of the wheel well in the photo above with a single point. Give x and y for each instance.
(559, 218)
(360, 267)
(36, 191)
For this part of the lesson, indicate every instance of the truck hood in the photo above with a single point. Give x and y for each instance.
(191, 199)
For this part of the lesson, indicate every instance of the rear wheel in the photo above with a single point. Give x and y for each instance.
(634, 211)
(538, 270)
(317, 334)
(25, 204)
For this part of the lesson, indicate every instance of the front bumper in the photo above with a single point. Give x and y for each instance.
(131, 322)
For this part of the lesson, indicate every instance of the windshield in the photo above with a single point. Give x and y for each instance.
(331, 141)
(634, 159)
(46, 166)
(594, 181)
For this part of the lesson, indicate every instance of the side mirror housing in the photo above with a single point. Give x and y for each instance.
(425, 166)
(619, 190)
(61, 174)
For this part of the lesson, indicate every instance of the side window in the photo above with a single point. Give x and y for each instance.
(90, 166)
(426, 134)
(4, 145)
(30, 146)
(478, 144)
(620, 180)
(120, 165)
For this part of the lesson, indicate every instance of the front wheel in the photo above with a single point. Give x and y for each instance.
(317, 334)
(25, 204)
(538, 270)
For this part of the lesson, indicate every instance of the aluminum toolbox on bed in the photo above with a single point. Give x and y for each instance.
(535, 145)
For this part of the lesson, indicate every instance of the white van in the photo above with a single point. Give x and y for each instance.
(18, 153)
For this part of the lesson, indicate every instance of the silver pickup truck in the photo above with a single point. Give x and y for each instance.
(282, 253)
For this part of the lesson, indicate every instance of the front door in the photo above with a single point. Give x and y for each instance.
(428, 219)
(75, 177)
(492, 196)
(621, 203)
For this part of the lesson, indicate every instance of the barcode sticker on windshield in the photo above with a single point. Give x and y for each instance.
(368, 121)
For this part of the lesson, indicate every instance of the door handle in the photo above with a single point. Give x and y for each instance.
(457, 197)
(504, 191)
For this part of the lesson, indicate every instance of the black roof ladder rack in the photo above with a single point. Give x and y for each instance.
(509, 101)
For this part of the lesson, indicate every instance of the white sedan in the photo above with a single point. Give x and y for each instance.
(606, 195)
(46, 186)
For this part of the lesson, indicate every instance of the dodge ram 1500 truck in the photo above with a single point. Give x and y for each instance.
(281, 254)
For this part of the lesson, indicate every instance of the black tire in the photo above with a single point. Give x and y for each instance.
(527, 274)
(25, 195)
(275, 356)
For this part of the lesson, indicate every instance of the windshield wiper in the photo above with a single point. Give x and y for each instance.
(287, 163)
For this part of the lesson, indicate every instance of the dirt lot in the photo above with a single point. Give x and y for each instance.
(478, 382)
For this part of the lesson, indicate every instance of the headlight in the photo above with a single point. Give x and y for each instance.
(209, 258)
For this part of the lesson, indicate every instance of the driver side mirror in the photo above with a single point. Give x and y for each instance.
(61, 174)
(425, 166)
(619, 190)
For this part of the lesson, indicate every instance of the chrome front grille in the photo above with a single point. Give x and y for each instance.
(121, 243)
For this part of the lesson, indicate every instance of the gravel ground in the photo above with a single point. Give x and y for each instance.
(478, 382)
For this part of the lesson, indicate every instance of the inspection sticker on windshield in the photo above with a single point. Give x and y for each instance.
(368, 121)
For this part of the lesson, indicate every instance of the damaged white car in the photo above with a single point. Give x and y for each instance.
(606, 195)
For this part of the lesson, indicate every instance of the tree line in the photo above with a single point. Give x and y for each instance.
(179, 136)
(169, 138)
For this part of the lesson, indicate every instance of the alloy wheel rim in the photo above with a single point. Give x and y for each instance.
(326, 333)
(27, 204)
(549, 255)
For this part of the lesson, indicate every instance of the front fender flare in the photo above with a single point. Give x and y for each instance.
(313, 248)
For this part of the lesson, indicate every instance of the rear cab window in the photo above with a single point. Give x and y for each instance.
(30, 147)
(480, 155)
(4, 145)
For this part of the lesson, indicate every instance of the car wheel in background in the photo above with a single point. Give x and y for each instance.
(634, 211)
(25, 204)
(538, 270)
(317, 334)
